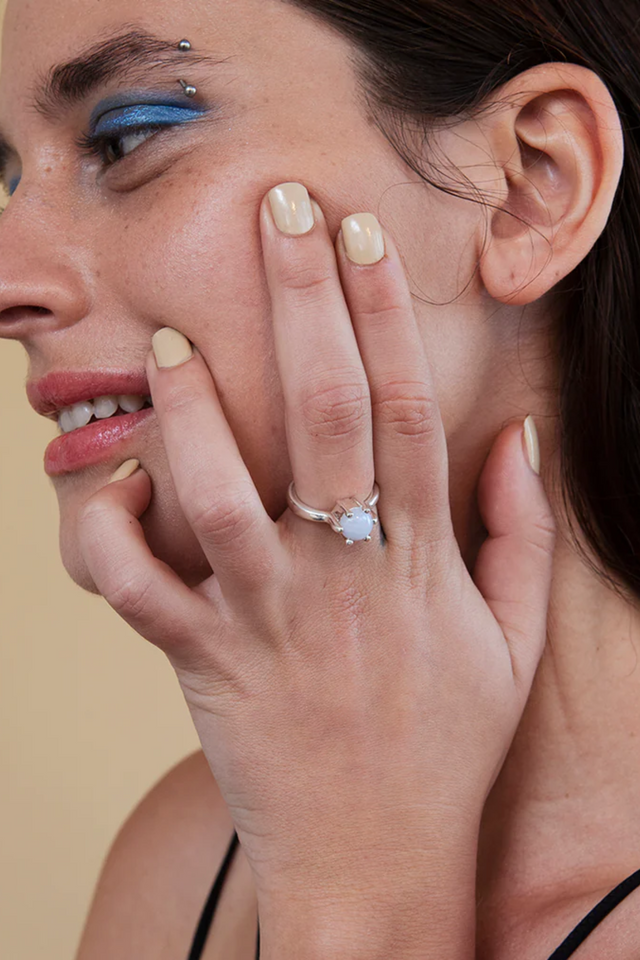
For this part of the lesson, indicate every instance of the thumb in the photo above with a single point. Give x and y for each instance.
(514, 565)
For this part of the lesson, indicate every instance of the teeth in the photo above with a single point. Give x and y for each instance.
(65, 422)
(131, 404)
(105, 407)
(80, 414)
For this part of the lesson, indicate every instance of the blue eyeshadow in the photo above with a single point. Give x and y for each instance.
(141, 109)
(13, 184)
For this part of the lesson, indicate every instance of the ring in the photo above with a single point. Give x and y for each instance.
(354, 519)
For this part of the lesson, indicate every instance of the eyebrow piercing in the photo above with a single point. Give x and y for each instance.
(188, 88)
(184, 45)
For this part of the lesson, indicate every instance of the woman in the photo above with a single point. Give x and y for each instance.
(392, 231)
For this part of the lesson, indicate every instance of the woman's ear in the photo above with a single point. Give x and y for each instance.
(557, 142)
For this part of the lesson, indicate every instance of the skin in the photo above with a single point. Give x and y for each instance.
(183, 249)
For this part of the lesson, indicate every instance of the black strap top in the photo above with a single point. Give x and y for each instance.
(566, 949)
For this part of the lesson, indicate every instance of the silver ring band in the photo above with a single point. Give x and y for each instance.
(353, 518)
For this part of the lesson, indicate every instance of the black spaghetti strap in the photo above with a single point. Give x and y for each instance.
(202, 931)
(566, 949)
(580, 933)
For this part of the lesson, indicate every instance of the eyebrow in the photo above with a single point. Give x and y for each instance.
(129, 54)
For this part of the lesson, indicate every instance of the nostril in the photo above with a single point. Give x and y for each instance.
(11, 314)
(17, 322)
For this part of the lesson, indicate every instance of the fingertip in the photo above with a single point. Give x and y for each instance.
(125, 470)
(531, 444)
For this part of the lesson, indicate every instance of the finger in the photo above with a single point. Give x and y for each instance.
(513, 569)
(214, 488)
(409, 443)
(143, 590)
(327, 403)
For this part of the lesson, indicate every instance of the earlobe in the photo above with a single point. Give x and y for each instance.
(558, 147)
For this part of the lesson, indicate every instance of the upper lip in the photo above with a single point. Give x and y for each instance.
(64, 388)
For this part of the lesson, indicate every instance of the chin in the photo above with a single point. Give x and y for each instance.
(168, 535)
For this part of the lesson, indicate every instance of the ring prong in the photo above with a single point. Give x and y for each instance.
(367, 538)
(375, 519)
(349, 543)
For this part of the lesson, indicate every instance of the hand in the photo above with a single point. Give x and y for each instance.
(355, 703)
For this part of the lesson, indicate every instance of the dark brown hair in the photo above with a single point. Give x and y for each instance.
(429, 60)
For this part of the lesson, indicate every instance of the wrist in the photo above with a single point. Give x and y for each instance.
(425, 911)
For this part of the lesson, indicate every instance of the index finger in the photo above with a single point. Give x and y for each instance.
(214, 487)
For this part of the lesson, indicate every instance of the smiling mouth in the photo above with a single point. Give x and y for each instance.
(85, 412)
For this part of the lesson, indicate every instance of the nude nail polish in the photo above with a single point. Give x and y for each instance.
(171, 347)
(127, 469)
(363, 238)
(532, 443)
(291, 208)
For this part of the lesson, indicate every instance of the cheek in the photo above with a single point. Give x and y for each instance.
(191, 253)
(208, 281)
(195, 263)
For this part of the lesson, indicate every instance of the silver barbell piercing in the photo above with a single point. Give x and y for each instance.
(188, 88)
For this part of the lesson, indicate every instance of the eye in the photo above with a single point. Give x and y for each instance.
(117, 132)
(111, 148)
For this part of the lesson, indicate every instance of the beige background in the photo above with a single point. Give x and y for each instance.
(90, 713)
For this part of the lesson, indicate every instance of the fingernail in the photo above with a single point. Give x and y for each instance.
(363, 238)
(291, 208)
(171, 347)
(128, 468)
(532, 443)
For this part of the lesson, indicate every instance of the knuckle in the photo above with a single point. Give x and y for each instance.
(307, 278)
(224, 519)
(336, 411)
(384, 312)
(93, 513)
(407, 409)
(131, 597)
(542, 533)
(181, 396)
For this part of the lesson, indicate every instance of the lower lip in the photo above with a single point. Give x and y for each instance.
(94, 443)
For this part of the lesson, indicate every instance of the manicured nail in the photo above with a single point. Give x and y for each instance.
(291, 208)
(363, 238)
(532, 443)
(171, 347)
(128, 468)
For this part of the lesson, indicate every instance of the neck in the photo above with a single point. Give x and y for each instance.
(561, 819)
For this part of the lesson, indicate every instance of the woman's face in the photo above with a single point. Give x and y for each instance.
(97, 255)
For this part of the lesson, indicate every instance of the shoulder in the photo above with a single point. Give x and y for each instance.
(157, 874)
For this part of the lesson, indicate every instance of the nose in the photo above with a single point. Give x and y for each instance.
(42, 286)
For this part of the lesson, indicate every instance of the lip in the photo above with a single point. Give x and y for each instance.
(64, 388)
(94, 443)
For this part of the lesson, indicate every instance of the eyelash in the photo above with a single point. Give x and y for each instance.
(95, 144)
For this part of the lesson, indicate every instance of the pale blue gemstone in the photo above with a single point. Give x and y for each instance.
(358, 527)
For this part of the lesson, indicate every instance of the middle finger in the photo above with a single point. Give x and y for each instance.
(324, 383)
